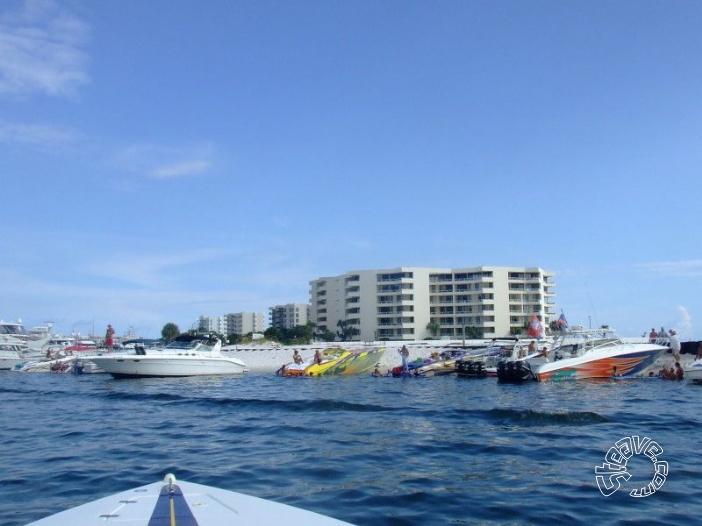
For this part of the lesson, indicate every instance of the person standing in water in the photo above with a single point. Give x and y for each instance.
(404, 352)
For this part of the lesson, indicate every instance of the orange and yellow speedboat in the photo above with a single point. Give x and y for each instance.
(336, 361)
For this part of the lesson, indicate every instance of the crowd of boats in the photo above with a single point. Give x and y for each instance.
(187, 355)
(572, 354)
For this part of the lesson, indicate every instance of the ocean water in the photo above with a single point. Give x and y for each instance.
(370, 451)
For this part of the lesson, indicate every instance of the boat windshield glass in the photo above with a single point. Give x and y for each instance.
(12, 328)
(185, 345)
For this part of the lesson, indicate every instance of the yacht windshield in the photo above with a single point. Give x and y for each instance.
(12, 328)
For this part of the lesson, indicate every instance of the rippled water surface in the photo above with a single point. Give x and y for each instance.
(371, 451)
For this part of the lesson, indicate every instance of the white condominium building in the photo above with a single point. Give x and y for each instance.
(245, 322)
(216, 324)
(289, 316)
(411, 303)
(236, 323)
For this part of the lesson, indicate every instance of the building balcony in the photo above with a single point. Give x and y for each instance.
(443, 278)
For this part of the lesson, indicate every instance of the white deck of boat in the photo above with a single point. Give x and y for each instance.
(199, 505)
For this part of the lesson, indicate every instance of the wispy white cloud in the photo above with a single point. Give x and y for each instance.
(165, 162)
(150, 270)
(41, 50)
(36, 135)
(684, 323)
(688, 269)
(125, 286)
(181, 169)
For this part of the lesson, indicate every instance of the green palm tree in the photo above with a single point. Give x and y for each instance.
(170, 332)
(434, 328)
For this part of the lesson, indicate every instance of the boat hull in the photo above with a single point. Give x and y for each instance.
(320, 369)
(10, 356)
(356, 363)
(627, 360)
(185, 503)
(344, 362)
(9, 362)
(309, 368)
(693, 372)
(162, 366)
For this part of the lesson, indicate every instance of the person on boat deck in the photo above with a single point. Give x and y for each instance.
(675, 344)
(404, 352)
(109, 335)
(652, 336)
(520, 352)
(317, 356)
(532, 347)
(679, 373)
(296, 357)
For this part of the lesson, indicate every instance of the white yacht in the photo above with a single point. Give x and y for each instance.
(13, 332)
(187, 355)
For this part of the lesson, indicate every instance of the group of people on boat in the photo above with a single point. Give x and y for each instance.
(297, 359)
(673, 339)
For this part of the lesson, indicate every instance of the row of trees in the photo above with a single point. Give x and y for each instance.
(299, 335)
(304, 334)
(469, 333)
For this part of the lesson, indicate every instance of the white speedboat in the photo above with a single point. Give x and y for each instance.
(172, 502)
(55, 365)
(582, 354)
(186, 356)
(693, 372)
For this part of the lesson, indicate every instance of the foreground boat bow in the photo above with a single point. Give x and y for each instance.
(181, 503)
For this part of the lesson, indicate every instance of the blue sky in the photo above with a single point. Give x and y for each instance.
(168, 159)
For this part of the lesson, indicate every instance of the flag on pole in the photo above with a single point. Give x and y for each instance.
(562, 323)
(535, 328)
